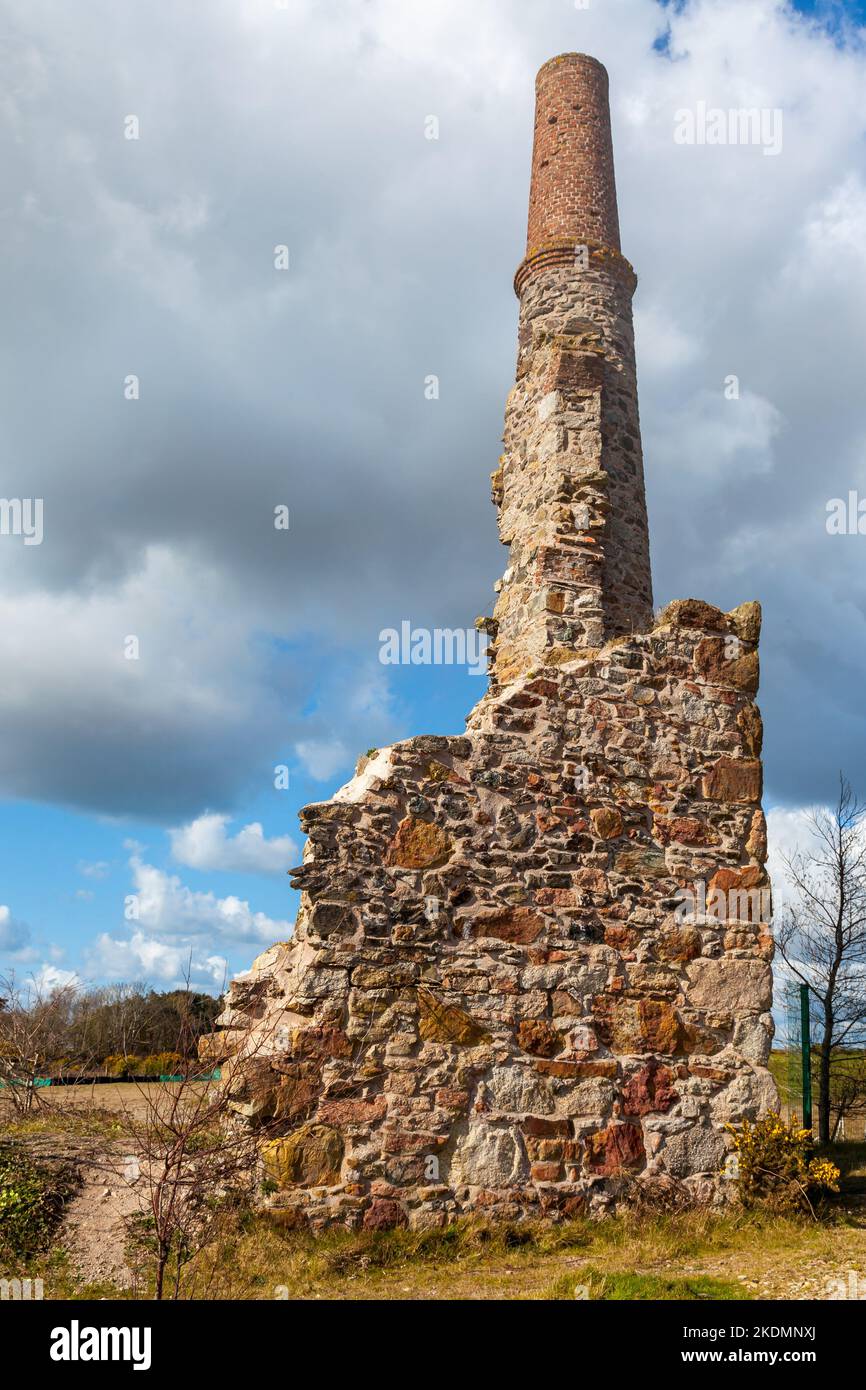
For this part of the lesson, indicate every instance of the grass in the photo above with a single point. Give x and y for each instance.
(686, 1255)
(31, 1202)
(50, 1121)
(690, 1255)
(618, 1287)
(623, 1257)
(59, 1278)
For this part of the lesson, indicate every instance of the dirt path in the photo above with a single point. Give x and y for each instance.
(814, 1278)
(94, 1227)
(93, 1231)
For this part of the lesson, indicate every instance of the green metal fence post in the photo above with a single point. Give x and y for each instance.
(806, 1054)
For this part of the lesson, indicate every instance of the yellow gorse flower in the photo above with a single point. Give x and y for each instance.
(775, 1163)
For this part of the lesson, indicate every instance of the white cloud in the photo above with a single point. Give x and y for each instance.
(204, 844)
(156, 962)
(50, 977)
(791, 832)
(322, 757)
(360, 701)
(14, 935)
(669, 347)
(178, 933)
(834, 237)
(715, 438)
(98, 869)
(788, 833)
(166, 907)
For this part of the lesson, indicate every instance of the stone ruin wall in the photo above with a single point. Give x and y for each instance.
(489, 967)
(496, 999)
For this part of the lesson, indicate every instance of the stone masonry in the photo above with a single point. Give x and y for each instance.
(531, 965)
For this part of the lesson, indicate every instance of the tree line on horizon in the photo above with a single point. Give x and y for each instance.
(114, 1030)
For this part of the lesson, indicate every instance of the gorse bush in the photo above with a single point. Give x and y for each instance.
(776, 1165)
(162, 1064)
(113, 1065)
(118, 1065)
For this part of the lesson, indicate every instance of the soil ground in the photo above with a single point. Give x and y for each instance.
(131, 1096)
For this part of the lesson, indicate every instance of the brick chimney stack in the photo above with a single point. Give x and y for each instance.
(572, 195)
(570, 486)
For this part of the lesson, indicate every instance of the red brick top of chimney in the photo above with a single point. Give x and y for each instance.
(573, 195)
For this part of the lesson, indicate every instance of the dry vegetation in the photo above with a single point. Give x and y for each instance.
(244, 1255)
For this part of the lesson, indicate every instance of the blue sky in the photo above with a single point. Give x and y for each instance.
(833, 12)
(298, 124)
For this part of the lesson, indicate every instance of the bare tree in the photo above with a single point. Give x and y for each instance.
(34, 1026)
(190, 1166)
(190, 1171)
(109, 1019)
(822, 940)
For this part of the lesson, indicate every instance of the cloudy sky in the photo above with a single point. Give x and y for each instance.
(146, 770)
